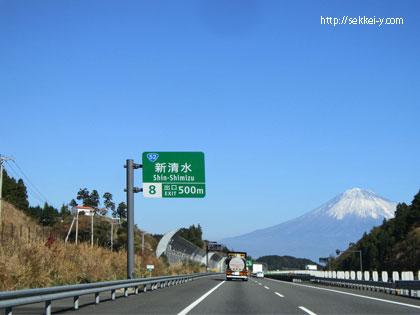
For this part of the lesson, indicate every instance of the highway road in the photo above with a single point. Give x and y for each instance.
(214, 295)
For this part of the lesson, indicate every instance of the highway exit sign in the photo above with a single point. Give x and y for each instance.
(173, 175)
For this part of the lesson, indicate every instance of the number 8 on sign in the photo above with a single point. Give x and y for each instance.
(152, 190)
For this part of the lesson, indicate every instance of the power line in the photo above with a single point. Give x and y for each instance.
(30, 181)
(33, 193)
(2, 159)
(29, 190)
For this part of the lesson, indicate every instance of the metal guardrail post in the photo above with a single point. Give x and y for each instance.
(76, 303)
(113, 295)
(48, 308)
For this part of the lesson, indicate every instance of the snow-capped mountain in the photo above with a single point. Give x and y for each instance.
(363, 203)
(320, 232)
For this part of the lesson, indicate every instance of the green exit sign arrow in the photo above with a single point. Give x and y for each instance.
(173, 175)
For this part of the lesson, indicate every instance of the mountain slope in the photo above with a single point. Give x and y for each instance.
(321, 231)
(395, 245)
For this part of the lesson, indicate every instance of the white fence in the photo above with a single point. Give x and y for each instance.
(356, 275)
(402, 283)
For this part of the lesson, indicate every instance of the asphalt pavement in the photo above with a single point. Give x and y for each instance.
(215, 295)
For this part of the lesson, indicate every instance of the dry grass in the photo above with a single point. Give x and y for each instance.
(40, 264)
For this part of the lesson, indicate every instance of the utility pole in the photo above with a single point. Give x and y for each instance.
(130, 166)
(117, 220)
(91, 229)
(2, 159)
(142, 243)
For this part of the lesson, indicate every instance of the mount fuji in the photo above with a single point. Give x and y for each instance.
(321, 231)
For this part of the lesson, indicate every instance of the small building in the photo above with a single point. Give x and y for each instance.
(79, 210)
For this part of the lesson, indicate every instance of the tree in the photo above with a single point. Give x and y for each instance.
(64, 211)
(122, 211)
(49, 215)
(109, 204)
(93, 200)
(73, 203)
(89, 199)
(193, 234)
(15, 192)
(83, 194)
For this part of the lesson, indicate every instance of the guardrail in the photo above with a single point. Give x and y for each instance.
(403, 287)
(11, 299)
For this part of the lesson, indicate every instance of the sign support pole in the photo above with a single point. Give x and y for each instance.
(130, 216)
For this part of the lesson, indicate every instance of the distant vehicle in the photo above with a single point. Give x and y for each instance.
(236, 266)
(256, 267)
(260, 274)
(311, 267)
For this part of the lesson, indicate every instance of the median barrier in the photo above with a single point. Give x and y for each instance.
(407, 286)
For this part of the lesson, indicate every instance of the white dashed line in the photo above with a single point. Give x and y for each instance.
(259, 284)
(267, 288)
(280, 295)
(306, 310)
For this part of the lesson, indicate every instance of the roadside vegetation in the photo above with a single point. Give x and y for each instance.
(33, 253)
(393, 246)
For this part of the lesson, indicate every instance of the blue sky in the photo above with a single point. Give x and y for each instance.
(288, 112)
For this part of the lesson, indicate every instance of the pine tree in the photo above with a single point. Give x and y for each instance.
(49, 215)
(109, 205)
(122, 211)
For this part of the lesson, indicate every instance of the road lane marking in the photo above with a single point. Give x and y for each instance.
(194, 304)
(352, 294)
(306, 310)
(267, 288)
(259, 284)
(280, 295)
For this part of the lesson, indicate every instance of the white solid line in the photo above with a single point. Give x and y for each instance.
(267, 288)
(194, 304)
(306, 310)
(352, 294)
(280, 295)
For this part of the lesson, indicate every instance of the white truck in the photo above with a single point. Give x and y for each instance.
(311, 267)
(256, 268)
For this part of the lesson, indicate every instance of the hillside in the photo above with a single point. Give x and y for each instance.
(394, 245)
(44, 260)
(275, 262)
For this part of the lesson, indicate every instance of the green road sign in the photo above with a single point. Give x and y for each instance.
(249, 263)
(173, 175)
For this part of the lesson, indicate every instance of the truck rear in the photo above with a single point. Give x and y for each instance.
(236, 267)
(257, 269)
